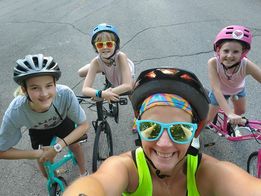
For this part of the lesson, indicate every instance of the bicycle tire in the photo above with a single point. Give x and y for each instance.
(252, 163)
(103, 145)
(55, 188)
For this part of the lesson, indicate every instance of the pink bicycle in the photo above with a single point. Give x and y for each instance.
(250, 129)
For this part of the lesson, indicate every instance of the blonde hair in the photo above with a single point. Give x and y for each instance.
(105, 35)
(18, 91)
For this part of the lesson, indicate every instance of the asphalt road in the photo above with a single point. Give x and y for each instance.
(166, 33)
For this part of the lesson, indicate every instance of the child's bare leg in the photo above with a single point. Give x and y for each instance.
(82, 72)
(79, 156)
(239, 105)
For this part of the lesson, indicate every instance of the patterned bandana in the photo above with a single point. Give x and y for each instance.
(161, 99)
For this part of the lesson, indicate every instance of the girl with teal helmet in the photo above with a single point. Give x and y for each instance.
(171, 107)
(117, 68)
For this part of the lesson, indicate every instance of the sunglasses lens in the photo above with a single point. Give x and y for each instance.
(149, 130)
(99, 44)
(181, 132)
(109, 44)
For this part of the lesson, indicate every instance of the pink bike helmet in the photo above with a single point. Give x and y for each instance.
(234, 32)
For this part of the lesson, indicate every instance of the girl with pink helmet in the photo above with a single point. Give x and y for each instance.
(227, 72)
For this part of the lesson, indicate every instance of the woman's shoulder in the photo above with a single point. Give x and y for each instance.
(219, 174)
(122, 162)
(213, 169)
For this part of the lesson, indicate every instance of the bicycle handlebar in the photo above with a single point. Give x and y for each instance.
(121, 101)
(243, 121)
(89, 97)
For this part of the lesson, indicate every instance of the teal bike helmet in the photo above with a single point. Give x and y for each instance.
(103, 27)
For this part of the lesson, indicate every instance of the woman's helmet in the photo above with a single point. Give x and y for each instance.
(234, 32)
(35, 65)
(172, 81)
(103, 27)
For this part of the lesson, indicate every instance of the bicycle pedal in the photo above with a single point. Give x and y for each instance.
(209, 144)
(61, 171)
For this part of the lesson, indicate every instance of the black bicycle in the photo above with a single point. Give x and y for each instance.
(103, 143)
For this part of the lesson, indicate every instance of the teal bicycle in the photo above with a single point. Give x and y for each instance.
(56, 184)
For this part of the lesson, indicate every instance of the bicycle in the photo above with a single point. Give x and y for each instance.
(249, 129)
(56, 184)
(103, 143)
(254, 164)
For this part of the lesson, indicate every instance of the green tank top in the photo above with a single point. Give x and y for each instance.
(145, 182)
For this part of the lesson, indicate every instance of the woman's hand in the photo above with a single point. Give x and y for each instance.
(109, 95)
(48, 154)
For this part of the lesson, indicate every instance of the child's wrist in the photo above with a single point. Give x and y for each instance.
(98, 93)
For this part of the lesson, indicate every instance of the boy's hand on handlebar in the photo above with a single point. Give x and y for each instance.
(109, 95)
(48, 154)
(235, 119)
(38, 153)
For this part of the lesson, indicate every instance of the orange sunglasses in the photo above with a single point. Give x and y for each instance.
(109, 44)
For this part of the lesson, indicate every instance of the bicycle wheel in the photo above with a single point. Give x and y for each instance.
(56, 189)
(252, 163)
(103, 147)
(116, 112)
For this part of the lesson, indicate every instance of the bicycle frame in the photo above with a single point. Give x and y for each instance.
(52, 167)
(102, 128)
(221, 125)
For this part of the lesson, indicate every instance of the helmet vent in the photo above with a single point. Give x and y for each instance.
(35, 60)
(27, 64)
(21, 68)
(44, 62)
(52, 65)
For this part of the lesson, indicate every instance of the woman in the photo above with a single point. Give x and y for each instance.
(171, 108)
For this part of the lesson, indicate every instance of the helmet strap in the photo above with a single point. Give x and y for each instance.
(24, 89)
(157, 170)
(111, 58)
(192, 151)
(230, 67)
(235, 66)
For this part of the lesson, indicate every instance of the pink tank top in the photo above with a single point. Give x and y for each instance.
(236, 83)
(113, 73)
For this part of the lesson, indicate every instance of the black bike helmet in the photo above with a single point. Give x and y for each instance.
(173, 81)
(103, 27)
(35, 65)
